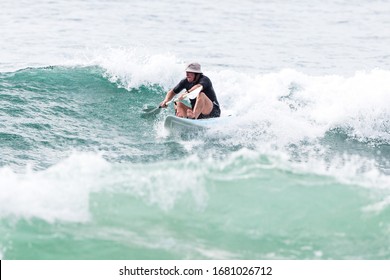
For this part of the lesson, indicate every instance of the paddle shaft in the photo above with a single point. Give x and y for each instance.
(188, 94)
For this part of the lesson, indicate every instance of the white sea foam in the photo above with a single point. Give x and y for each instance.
(134, 67)
(60, 192)
(288, 106)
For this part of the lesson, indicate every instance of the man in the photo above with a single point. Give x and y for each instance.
(204, 105)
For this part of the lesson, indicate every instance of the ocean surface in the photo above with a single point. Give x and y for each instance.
(300, 171)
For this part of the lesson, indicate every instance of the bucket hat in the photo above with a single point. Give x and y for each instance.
(194, 68)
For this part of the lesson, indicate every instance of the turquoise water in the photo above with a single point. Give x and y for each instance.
(301, 170)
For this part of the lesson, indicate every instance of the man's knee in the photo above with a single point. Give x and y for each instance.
(202, 96)
(207, 105)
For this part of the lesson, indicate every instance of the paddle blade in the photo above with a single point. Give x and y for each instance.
(150, 111)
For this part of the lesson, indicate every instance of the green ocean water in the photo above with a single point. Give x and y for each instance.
(82, 176)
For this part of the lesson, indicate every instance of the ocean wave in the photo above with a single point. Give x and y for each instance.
(291, 101)
(289, 105)
(96, 105)
(63, 191)
(68, 191)
(60, 192)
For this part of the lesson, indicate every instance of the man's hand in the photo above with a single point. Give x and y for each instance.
(163, 104)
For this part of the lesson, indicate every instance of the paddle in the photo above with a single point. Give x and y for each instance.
(190, 95)
(150, 110)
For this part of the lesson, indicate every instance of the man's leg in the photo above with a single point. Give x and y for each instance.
(181, 110)
(203, 106)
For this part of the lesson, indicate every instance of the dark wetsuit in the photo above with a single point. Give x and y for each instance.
(207, 89)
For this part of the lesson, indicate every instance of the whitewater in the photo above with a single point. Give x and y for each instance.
(301, 170)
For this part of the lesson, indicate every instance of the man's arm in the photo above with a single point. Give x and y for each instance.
(168, 97)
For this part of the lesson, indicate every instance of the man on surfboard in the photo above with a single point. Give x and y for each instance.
(203, 106)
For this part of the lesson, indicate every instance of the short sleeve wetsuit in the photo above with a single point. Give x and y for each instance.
(207, 89)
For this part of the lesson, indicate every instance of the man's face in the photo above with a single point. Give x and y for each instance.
(190, 77)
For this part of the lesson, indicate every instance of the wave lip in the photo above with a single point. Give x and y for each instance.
(60, 192)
